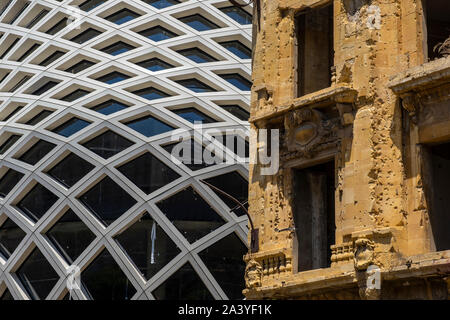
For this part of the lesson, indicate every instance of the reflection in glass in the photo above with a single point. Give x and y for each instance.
(70, 170)
(148, 246)
(149, 126)
(104, 280)
(39, 150)
(70, 236)
(185, 284)
(9, 181)
(107, 200)
(199, 22)
(10, 237)
(37, 275)
(148, 173)
(37, 202)
(190, 214)
(223, 256)
(71, 126)
(107, 144)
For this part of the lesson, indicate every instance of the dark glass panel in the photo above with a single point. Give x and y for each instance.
(91, 4)
(238, 81)
(75, 95)
(151, 93)
(195, 85)
(237, 144)
(158, 33)
(239, 15)
(233, 184)
(9, 143)
(71, 126)
(70, 236)
(148, 173)
(149, 126)
(122, 16)
(113, 77)
(118, 48)
(6, 295)
(194, 161)
(107, 200)
(161, 4)
(37, 152)
(9, 181)
(107, 144)
(109, 107)
(39, 117)
(70, 170)
(28, 52)
(154, 64)
(45, 88)
(190, 214)
(10, 237)
(223, 256)
(53, 57)
(85, 36)
(12, 113)
(37, 202)
(185, 284)
(58, 27)
(37, 275)
(237, 111)
(238, 49)
(199, 23)
(37, 18)
(193, 115)
(104, 280)
(80, 66)
(148, 246)
(197, 55)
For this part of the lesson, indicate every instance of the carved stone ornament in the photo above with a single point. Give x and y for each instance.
(253, 274)
(305, 128)
(409, 103)
(364, 253)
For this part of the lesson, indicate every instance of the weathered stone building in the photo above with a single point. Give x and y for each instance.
(360, 91)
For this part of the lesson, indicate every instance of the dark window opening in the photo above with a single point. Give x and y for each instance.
(194, 160)
(237, 111)
(197, 55)
(199, 23)
(107, 200)
(37, 18)
(109, 107)
(37, 275)
(154, 64)
(148, 246)
(45, 88)
(37, 202)
(437, 182)
(107, 144)
(70, 170)
(9, 116)
(39, 117)
(161, 4)
(151, 93)
(190, 214)
(10, 237)
(122, 16)
(58, 27)
(85, 36)
(113, 77)
(70, 236)
(104, 280)
(71, 126)
(9, 143)
(28, 52)
(193, 115)
(75, 95)
(238, 14)
(238, 49)
(149, 126)
(118, 48)
(39, 150)
(158, 33)
(148, 173)
(195, 85)
(91, 4)
(437, 15)
(238, 81)
(9, 48)
(9, 181)
(53, 57)
(185, 284)
(80, 66)
(315, 49)
(314, 215)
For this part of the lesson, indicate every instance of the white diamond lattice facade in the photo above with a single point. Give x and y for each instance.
(91, 93)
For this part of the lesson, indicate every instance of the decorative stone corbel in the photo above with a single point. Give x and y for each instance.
(346, 113)
(409, 103)
(253, 274)
(264, 95)
(363, 253)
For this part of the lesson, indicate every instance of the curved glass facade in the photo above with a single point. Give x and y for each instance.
(92, 93)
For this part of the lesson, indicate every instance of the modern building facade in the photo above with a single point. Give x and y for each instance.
(91, 95)
(359, 91)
